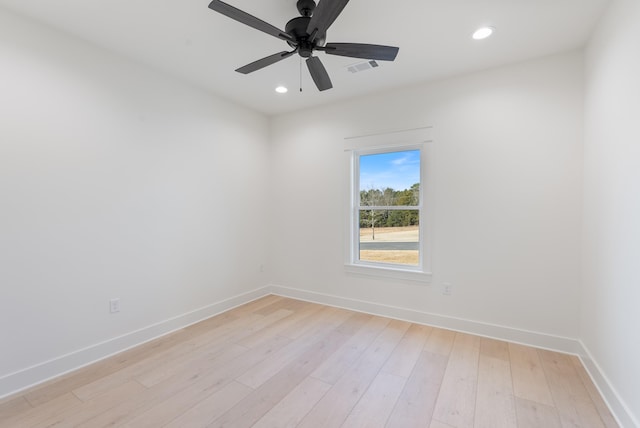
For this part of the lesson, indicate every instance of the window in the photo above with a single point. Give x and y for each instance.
(388, 200)
(389, 226)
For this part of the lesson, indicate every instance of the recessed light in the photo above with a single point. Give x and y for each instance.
(281, 90)
(483, 33)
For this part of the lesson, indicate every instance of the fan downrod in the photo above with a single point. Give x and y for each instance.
(306, 7)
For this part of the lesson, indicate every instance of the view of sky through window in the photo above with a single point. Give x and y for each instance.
(395, 170)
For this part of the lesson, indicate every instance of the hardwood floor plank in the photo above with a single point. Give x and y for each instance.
(529, 379)
(279, 305)
(457, 399)
(74, 416)
(378, 401)
(437, 424)
(259, 374)
(569, 394)
(239, 325)
(338, 363)
(256, 305)
(295, 405)
(34, 416)
(237, 334)
(535, 415)
(440, 341)
(98, 387)
(207, 410)
(161, 372)
(132, 406)
(495, 403)
(194, 343)
(302, 315)
(67, 383)
(404, 357)
(262, 400)
(206, 350)
(327, 315)
(561, 374)
(418, 399)
(604, 412)
(203, 381)
(494, 348)
(587, 414)
(281, 362)
(13, 406)
(335, 406)
(222, 333)
(193, 384)
(214, 322)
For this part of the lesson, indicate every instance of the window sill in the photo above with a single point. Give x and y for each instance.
(385, 272)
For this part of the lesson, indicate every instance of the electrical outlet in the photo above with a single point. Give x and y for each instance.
(114, 306)
(447, 288)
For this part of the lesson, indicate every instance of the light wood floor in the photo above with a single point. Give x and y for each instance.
(279, 362)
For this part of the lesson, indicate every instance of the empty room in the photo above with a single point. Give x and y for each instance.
(330, 213)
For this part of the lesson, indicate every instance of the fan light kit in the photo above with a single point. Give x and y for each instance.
(305, 34)
(483, 33)
(281, 90)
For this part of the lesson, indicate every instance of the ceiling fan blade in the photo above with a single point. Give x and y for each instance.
(250, 20)
(319, 73)
(324, 15)
(262, 63)
(359, 50)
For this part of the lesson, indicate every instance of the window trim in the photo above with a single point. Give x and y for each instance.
(414, 139)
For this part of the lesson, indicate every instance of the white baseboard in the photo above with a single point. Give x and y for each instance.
(26, 378)
(18, 381)
(567, 345)
(621, 412)
(539, 340)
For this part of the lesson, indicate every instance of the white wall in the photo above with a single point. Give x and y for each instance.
(508, 202)
(611, 275)
(115, 181)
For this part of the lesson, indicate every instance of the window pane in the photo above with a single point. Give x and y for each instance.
(388, 179)
(390, 236)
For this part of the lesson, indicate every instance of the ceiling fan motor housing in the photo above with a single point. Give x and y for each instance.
(297, 28)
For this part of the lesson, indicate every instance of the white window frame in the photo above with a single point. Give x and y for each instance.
(413, 139)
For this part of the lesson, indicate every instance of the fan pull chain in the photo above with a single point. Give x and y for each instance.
(300, 74)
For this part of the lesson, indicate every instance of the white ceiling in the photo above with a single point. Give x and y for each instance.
(186, 39)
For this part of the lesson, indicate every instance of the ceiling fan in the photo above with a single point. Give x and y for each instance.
(306, 34)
